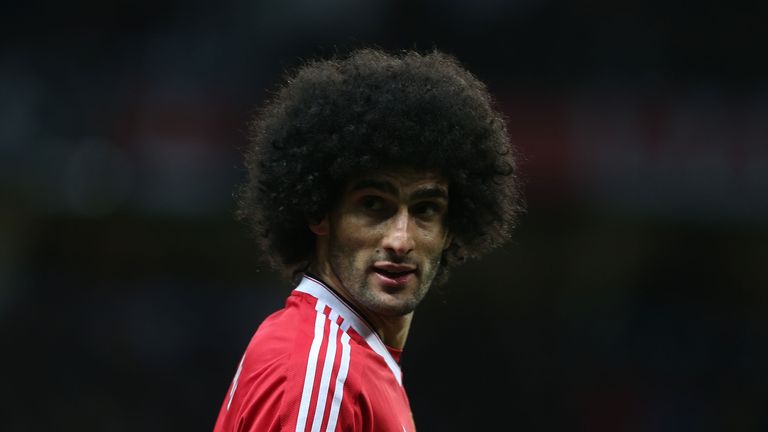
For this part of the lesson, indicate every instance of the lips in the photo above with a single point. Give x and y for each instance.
(394, 274)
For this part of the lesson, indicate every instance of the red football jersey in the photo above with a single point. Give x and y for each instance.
(316, 365)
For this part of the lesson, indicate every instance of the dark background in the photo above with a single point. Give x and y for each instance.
(632, 298)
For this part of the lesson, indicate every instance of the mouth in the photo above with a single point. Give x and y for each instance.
(394, 274)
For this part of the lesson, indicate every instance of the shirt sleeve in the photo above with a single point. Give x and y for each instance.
(295, 391)
(301, 380)
(255, 400)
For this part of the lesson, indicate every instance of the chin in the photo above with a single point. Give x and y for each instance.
(389, 306)
(395, 311)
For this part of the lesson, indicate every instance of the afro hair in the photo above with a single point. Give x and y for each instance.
(370, 110)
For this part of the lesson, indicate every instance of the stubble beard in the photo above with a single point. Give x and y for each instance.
(355, 281)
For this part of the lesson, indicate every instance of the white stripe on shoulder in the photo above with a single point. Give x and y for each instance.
(325, 380)
(316, 289)
(338, 393)
(309, 377)
(234, 381)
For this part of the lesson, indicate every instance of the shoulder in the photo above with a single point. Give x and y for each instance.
(306, 369)
(266, 387)
(302, 370)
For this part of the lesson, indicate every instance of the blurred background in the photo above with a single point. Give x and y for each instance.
(632, 298)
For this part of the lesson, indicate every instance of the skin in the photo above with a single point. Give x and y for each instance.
(380, 246)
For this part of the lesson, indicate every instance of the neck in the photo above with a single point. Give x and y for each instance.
(393, 330)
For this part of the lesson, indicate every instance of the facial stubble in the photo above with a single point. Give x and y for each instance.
(355, 279)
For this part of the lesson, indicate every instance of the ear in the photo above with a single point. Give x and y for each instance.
(319, 228)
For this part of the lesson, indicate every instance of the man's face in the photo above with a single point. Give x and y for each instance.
(385, 238)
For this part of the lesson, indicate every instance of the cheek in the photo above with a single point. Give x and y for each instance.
(433, 241)
(353, 240)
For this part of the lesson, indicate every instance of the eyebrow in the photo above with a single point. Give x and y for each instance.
(380, 185)
(387, 187)
(430, 192)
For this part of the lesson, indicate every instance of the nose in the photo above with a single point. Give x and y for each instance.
(397, 239)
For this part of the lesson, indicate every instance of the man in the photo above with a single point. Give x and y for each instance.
(370, 177)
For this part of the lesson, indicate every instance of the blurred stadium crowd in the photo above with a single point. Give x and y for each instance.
(632, 299)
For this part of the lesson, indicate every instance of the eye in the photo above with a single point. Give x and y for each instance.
(372, 203)
(426, 209)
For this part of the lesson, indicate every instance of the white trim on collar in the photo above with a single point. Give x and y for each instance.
(318, 290)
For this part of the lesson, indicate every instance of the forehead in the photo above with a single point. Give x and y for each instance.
(403, 179)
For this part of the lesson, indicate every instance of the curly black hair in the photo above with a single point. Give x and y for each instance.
(334, 119)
